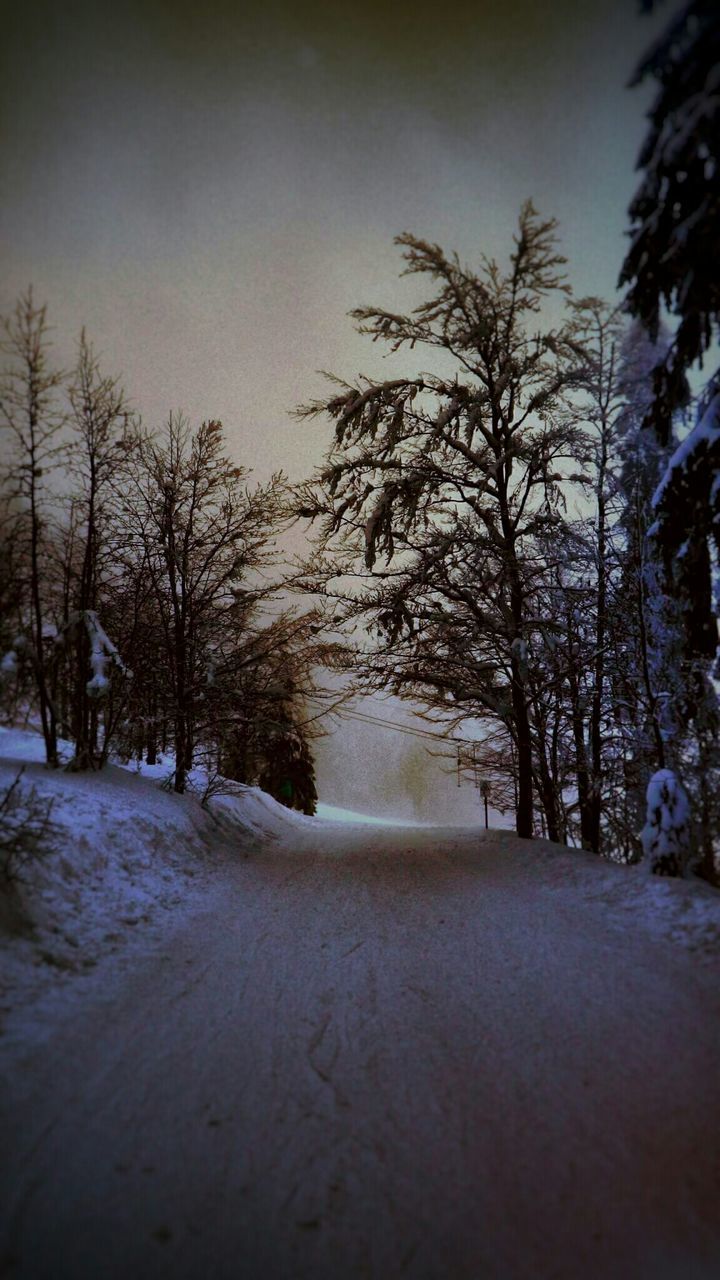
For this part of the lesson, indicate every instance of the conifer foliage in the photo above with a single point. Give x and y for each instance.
(674, 261)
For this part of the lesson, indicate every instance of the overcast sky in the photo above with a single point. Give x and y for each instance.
(210, 187)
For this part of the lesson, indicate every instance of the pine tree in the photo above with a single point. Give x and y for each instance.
(289, 770)
(674, 259)
(666, 706)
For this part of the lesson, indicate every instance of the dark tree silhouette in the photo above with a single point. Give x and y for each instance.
(439, 485)
(674, 261)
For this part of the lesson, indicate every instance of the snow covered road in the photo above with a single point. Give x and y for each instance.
(382, 1053)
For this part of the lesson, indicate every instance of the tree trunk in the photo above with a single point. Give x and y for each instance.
(595, 796)
(181, 743)
(548, 801)
(83, 754)
(582, 772)
(524, 814)
(180, 781)
(547, 790)
(47, 709)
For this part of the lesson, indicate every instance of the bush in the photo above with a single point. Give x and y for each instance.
(25, 829)
(666, 834)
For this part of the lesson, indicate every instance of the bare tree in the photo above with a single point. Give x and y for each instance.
(32, 418)
(99, 414)
(204, 539)
(600, 330)
(449, 477)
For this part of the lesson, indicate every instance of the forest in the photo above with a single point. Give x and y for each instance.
(520, 532)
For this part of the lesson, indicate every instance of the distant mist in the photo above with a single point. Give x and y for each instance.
(393, 775)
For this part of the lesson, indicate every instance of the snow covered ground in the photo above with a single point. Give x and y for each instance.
(129, 857)
(126, 857)
(312, 1048)
(334, 813)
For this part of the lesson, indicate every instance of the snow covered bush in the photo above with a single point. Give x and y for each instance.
(25, 829)
(666, 834)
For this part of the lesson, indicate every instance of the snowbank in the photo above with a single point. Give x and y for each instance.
(682, 913)
(124, 854)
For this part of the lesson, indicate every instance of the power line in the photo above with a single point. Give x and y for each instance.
(396, 728)
(382, 722)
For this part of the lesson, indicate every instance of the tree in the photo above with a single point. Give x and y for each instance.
(99, 413)
(32, 417)
(263, 729)
(16, 688)
(289, 772)
(199, 536)
(673, 260)
(440, 485)
(666, 834)
(600, 331)
(665, 707)
(641, 643)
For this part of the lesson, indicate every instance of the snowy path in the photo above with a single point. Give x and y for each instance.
(388, 1053)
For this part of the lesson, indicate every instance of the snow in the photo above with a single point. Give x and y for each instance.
(8, 666)
(322, 1047)
(665, 836)
(519, 650)
(334, 813)
(704, 437)
(103, 653)
(126, 854)
(129, 853)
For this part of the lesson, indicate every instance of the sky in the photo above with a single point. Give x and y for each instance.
(210, 188)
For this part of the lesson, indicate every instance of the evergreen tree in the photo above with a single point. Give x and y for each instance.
(289, 770)
(665, 703)
(674, 259)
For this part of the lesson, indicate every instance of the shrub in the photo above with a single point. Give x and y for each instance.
(25, 829)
